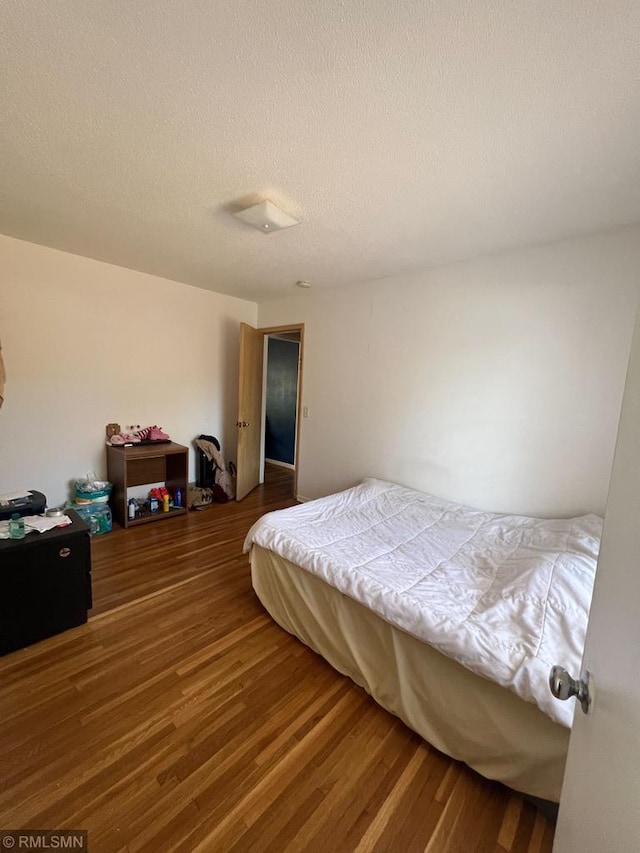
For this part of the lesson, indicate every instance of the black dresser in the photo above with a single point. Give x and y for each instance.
(45, 584)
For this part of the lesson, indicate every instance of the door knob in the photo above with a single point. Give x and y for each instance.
(563, 686)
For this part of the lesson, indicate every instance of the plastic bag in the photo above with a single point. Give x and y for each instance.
(91, 489)
(97, 516)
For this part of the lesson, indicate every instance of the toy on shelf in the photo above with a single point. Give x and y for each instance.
(135, 434)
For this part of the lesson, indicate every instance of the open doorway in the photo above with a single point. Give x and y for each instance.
(252, 421)
(281, 385)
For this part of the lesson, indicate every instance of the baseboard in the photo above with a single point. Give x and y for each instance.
(280, 464)
(302, 499)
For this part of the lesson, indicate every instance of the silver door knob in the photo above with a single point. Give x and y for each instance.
(563, 686)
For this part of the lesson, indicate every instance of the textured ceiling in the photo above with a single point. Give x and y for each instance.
(403, 134)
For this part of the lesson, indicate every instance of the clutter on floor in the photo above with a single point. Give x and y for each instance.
(199, 498)
(97, 517)
(91, 490)
(213, 473)
(91, 497)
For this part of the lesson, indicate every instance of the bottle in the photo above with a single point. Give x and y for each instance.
(132, 509)
(94, 524)
(153, 505)
(165, 503)
(177, 498)
(16, 527)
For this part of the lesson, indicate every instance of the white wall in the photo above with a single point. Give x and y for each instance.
(495, 382)
(86, 343)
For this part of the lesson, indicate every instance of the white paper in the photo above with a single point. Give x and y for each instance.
(14, 496)
(42, 523)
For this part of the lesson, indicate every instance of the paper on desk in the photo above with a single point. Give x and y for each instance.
(41, 523)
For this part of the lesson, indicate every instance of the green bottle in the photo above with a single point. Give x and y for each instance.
(16, 527)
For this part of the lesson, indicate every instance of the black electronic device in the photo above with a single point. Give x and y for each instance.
(33, 503)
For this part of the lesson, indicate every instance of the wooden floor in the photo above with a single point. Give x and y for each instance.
(182, 718)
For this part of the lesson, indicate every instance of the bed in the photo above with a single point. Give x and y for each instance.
(450, 617)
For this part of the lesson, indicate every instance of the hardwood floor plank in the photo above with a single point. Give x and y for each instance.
(315, 783)
(262, 795)
(404, 832)
(343, 815)
(181, 717)
(509, 825)
(387, 812)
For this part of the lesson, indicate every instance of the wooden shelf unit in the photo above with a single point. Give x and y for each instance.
(141, 464)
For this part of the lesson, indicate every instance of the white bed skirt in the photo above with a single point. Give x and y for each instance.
(460, 713)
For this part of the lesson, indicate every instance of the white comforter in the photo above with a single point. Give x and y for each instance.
(504, 595)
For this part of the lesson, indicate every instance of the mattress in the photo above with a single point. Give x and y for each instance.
(462, 714)
(505, 596)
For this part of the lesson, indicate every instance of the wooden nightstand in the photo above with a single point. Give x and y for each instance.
(141, 464)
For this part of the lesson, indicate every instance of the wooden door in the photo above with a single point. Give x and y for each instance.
(599, 806)
(249, 422)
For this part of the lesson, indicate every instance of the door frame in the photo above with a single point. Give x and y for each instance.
(274, 330)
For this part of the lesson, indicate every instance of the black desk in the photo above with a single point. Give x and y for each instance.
(45, 584)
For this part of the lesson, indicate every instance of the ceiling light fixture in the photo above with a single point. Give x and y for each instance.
(266, 217)
(305, 284)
